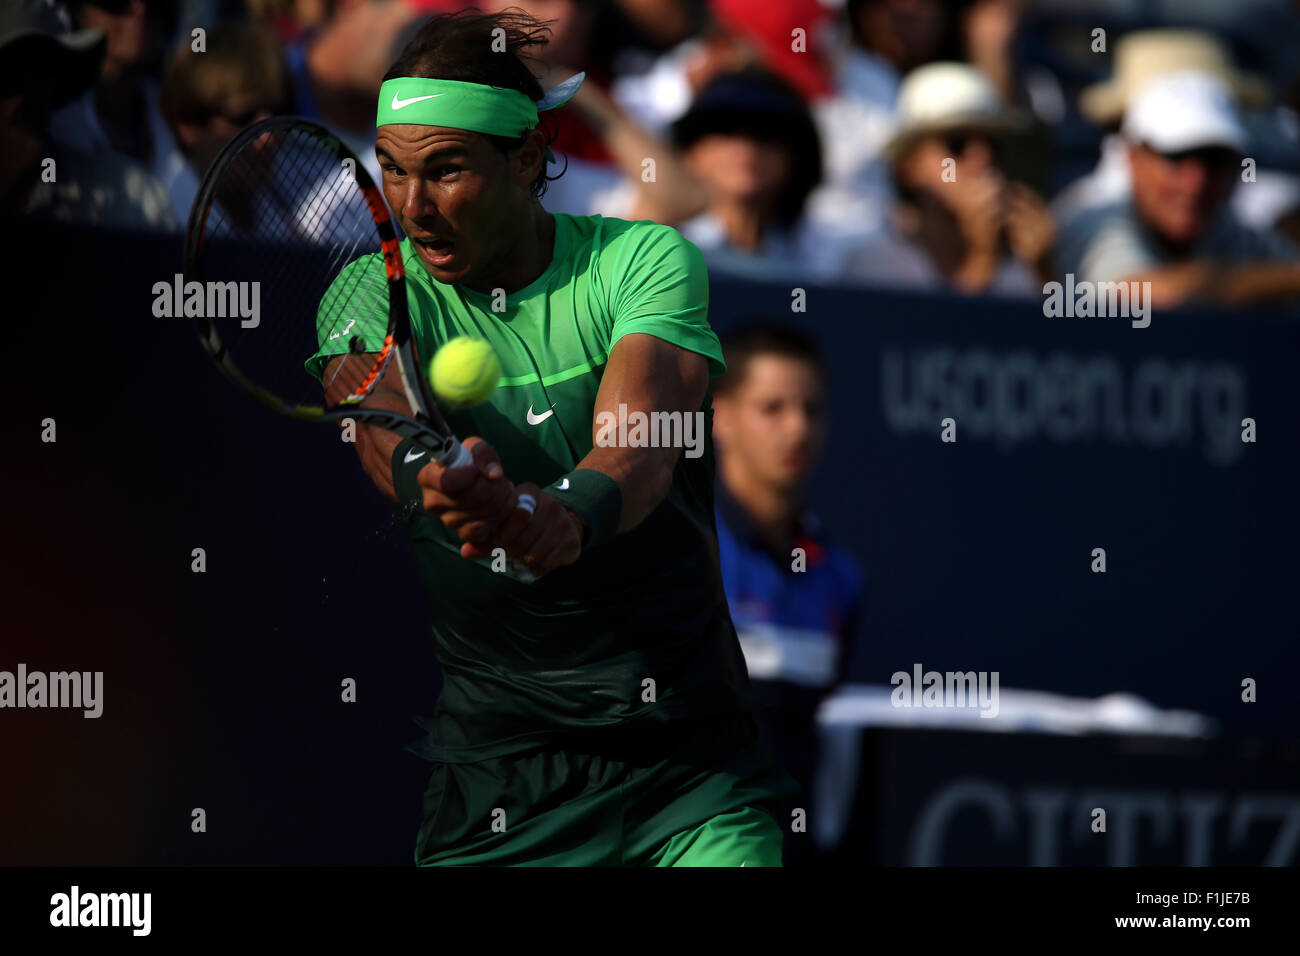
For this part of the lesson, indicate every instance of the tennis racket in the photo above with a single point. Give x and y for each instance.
(299, 271)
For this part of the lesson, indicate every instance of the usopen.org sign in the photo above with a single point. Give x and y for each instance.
(1011, 397)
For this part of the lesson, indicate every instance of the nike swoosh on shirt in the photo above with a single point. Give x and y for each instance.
(563, 485)
(412, 455)
(402, 104)
(538, 419)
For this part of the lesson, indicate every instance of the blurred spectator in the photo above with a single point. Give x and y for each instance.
(121, 112)
(958, 224)
(337, 66)
(623, 189)
(659, 96)
(796, 58)
(795, 622)
(290, 19)
(743, 160)
(42, 66)
(750, 139)
(209, 97)
(1140, 57)
(1184, 142)
(988, 30)
(887, 39)
(664, 23)
(857, 119)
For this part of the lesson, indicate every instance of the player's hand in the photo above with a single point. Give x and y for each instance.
(549, 538)
(474, 500)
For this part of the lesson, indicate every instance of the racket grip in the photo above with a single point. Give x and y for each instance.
(455, 457)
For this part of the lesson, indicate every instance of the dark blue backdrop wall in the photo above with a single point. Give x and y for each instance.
(222, 689)
(1071, 434)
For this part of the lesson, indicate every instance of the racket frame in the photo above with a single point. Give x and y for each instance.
(426, 428)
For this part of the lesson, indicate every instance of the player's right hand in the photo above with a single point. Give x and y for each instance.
(473, 500)
(546, 538)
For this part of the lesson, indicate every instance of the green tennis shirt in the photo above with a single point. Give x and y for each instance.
(637, 631)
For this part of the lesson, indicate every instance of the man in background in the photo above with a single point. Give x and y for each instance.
(42, 66)
(795, 597)
(208, 97)
(1185, 145)
(120, 112)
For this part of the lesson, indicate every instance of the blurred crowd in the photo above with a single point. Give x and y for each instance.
(967, 146)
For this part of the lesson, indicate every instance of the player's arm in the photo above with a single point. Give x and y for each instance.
(643, 373)
(374, 445)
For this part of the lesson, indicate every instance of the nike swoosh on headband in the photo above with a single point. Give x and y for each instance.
(402, 104)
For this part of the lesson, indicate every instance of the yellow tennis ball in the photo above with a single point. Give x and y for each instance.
(464, 371)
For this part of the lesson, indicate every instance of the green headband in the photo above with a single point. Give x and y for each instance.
(469, 106)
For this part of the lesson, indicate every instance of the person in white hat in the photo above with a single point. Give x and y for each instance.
(958, 224)
(1184, 144)
(1139, 57)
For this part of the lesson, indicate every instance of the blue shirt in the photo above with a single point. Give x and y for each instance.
(795, 627)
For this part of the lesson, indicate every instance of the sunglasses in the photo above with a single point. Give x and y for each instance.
(116, 7)
(242, 119)
(957, 142)
(1211, 157)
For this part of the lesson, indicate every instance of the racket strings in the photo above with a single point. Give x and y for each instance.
(288, 218)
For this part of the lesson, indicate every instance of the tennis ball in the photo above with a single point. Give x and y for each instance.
(464, 371)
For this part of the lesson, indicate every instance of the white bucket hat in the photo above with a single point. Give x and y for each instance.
(1181, 111)
(939, 97)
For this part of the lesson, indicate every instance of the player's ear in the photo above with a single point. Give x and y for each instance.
(531, 158)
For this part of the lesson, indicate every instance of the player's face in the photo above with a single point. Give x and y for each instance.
(772, 424)
(456, 196)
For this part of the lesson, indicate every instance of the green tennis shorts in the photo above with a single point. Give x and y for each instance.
(703, 793)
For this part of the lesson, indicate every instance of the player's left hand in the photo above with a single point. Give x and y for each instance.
(549, 538)
(473, 500)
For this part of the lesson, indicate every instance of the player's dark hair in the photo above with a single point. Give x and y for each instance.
(465, 47)
(765, 337)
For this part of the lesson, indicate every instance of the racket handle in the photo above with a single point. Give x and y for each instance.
(454, 457)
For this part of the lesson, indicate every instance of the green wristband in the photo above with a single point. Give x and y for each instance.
(595, 498)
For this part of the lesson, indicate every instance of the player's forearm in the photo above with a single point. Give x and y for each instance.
(374, 445)
(375, 449)
(645, 375)
(643, 476)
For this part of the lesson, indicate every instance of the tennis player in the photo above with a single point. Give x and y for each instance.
(600, 715)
